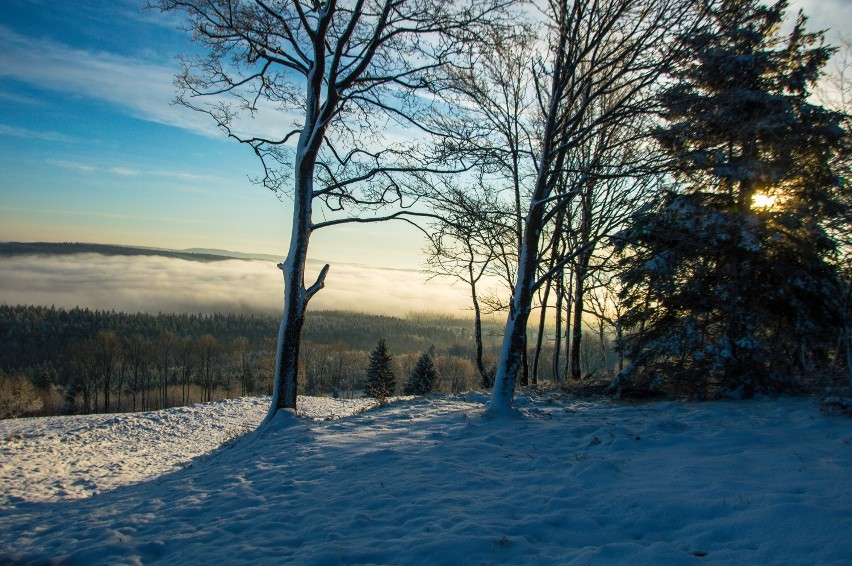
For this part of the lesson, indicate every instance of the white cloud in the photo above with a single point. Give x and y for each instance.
(146, 89)
(72, 165)
(124, 171)
(6, 130)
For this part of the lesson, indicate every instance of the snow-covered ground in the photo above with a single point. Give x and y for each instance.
(432, 481)
(58, 458)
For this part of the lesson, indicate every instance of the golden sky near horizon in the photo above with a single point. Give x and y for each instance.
(158, 284)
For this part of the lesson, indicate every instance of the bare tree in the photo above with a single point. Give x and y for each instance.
(186, 358)
(106, 357)
(17, 397)
(208, 349)
(456, 373)
(465, 245)
(606, 308)
(612, 50)
(136, 355)
(619, 177)
(488, 126)
(240, 349)
(165, 348)
(341, 72)
(83, 381)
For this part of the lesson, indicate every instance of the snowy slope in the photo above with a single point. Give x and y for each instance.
(72, 457)
(431, 481)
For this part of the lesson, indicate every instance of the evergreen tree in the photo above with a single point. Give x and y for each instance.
(728, 280)
(424, 377)
(380, 381)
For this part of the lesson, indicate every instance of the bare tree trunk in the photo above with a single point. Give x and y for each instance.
(569, 304)
(557, 343)
(541, 329)
(485, 377)
(577, 328)
(510, 357)
(514, 339)
(296, 296)
(525, 362)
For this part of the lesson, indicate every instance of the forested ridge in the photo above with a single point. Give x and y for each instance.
(83, 360)
(9, 249)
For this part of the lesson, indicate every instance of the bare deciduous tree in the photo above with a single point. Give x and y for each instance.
(342, 71)
(613, 51)
(465, 245)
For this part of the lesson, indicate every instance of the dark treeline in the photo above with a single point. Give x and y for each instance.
(83, 361)
(9, 249)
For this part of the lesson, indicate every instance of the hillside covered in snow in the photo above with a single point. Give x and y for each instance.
(432, 481)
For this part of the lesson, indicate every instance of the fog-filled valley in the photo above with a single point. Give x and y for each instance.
(127, 329)
(130, 279)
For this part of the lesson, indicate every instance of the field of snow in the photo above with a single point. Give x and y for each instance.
(432, 481)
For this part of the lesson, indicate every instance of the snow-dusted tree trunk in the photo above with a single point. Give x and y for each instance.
(514, 343)
(296, 295)
(515, 337)
(337, 69)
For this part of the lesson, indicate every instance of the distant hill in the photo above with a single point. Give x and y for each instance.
(230, 254)
(9, 249)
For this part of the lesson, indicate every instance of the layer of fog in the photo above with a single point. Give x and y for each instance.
(159, 284)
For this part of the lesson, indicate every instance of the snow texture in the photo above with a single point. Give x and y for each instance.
(432, 481)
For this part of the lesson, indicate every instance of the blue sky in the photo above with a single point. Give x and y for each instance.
(92, 150)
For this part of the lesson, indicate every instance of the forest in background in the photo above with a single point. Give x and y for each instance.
(83, 361)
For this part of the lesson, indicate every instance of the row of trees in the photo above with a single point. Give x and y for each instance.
(651, 164)
(54, 361)
(166, 371)
(380, 379)
(611, 158)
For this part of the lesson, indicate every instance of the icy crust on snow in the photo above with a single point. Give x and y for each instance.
(45, 459)
(433, 481)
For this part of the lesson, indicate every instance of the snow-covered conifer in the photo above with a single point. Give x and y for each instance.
(728, 282)
(424, 377)
(380, 381)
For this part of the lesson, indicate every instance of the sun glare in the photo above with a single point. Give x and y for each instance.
(762, 200)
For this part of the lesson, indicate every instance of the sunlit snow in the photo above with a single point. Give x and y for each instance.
(432, 481)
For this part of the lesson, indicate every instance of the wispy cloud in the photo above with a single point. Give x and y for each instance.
(183, 175)
(124, 171)
(72, 165)
(145, 89)
(13, 131)
(19, 99)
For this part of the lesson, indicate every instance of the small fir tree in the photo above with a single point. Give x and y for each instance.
(380, 381)
(424, 378)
